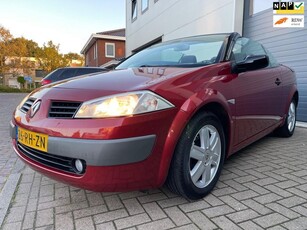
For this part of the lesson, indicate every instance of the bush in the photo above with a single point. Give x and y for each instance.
(6, 89)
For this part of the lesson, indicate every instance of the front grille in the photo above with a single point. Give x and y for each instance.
(63, 109)
(62, 163)
(27, 105)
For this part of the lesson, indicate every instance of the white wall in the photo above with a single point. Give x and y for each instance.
(181, 18)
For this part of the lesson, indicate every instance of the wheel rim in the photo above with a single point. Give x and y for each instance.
(291, 117)
(205, 156)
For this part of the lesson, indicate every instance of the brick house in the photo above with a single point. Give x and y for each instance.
(104, 48)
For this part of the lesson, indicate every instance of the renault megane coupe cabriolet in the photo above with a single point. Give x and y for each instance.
(171, 113)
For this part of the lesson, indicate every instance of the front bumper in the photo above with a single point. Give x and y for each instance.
(100, 152)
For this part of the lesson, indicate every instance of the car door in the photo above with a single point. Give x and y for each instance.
(257, 93)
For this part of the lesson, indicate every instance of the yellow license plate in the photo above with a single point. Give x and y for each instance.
(32, 139)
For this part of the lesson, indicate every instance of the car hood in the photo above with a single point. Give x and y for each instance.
(123, 80)
(120, 81)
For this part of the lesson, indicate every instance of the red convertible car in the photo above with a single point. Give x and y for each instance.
(171, 113)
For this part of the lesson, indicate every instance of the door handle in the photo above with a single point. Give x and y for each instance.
(277, 81)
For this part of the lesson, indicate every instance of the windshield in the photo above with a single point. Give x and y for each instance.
(187, 52)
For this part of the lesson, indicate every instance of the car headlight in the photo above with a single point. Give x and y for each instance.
(123, 105)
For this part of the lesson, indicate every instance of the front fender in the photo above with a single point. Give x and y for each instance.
(189, 108)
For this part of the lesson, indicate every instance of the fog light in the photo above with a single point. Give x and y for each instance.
(79, 166)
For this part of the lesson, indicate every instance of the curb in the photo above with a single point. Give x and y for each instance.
(7, 193)
(301, 124)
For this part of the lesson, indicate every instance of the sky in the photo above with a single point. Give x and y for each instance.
(69, 23)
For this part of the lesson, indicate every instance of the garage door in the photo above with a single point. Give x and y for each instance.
(288, 45)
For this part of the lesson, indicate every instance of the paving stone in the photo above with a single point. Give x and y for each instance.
(131, 221)
(64, 221)
(154, 211)
(225, 223)
(217, 211)
(61, 193)
(298, 192)
(133, 206)
(44, 217)
(244, 215)
(297, 224)
(256, 188)
(235, 185)
(106, 226)
(16, 214)
(292, 201)
(223, 191)
(29, 220)
(201, 221)
(268, 198)
(110, 216)
(71, 207)
(187, 227)
(283, 211)
(95, 198)
(278, 191)
(233, 203)
(177, 216)
(84, 212)
(151, 198)
(10, 226)
(301, 210)
(244, 195)
(172, 202)
(212, 200)
(113, 202)
(245, 179)
(250, 226)
(286, 184)
(52, 204)
(85, 223)
(158, 224)
(193, 206)
(270, 220)
(261, 209)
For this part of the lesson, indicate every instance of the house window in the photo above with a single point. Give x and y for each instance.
(144, 5)
(95, 51)
(134, 9)
(110, 50)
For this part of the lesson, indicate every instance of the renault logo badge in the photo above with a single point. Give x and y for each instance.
(34, 108)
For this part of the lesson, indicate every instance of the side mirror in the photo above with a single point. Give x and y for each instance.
(252, 62)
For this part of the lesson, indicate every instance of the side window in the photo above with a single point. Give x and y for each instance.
(55, 74)
(272, 60)
(245, 47)
(87, 71)
(67, 74)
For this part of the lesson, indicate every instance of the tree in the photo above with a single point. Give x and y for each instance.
(74, 59)
(15, 53)
(21, 80)
(50, 58)
(5, 37)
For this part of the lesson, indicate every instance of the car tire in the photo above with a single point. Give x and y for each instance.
(198, 157)
(287, 129)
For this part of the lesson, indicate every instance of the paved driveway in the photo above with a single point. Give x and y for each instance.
(262, 187)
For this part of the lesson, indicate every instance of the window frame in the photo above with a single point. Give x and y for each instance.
(134, 10)
(147, 6)
(95, 51)
(106, 50)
